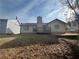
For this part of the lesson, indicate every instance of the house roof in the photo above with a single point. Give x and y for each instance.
(44, 24)
(31, 24)
(28, 24)
(56, 20)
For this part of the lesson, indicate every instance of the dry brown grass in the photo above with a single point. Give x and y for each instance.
(5, 40)
(56, 51)
(34, 47)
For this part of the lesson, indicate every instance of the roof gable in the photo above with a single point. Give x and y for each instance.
(56, 21)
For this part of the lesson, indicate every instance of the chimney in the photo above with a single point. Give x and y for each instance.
(39, 24)
(39, 20)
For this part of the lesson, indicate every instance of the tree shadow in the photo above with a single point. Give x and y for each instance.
(31, 40)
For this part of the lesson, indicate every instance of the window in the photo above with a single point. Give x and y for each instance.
(56, 26)
(26, 28)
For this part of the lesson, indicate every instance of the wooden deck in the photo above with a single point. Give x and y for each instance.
(68, 35)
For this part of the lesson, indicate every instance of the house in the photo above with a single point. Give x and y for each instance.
(38, 27)
(13, 27)
(55, 26)
(3, 26)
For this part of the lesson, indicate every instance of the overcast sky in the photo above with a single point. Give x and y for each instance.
(28, 10)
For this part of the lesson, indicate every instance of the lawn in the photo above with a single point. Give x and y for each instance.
(26, 39)
(34, 46)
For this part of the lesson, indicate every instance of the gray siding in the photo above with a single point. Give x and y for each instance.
(3, 25)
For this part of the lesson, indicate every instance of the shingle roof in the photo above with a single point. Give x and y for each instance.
(30, 24)
(34, 24)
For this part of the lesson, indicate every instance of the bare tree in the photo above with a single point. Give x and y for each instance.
(18, 23)
(73, 8)
(72, 4)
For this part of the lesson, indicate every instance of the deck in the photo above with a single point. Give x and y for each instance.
(68, 35)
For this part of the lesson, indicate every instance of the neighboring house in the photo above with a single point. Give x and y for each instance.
(57, 26)
(13, 27)
(3, 26)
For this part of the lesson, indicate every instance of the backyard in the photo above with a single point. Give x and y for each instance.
(37, 46)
